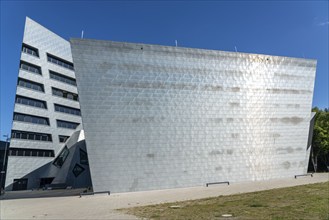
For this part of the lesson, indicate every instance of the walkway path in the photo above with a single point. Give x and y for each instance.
(103, 206)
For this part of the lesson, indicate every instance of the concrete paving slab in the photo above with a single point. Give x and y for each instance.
(104, 207)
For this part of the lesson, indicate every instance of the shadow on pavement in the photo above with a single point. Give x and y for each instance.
(41, 193)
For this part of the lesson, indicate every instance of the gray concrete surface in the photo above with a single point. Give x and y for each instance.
(104, 207)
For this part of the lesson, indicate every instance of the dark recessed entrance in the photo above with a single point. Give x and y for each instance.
(46, 181)
(20, 184)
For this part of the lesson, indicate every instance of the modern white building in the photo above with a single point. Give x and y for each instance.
(155, 117)
(46, 111)
(160, 117)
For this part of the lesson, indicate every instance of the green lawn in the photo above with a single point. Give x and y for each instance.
(300, 202)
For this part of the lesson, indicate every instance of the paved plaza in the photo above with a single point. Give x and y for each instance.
(104, 206)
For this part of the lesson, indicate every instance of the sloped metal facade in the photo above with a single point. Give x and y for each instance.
(160, 117)
(45, 41)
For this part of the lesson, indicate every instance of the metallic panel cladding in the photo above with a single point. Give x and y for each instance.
(45, 41)
(160, 117)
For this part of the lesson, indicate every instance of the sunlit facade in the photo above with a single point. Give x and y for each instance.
(160, 117)
(46, 114)
(154, 117)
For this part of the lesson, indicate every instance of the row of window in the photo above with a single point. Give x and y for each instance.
(30, 67)
(53, 75)
(67, 124)
(30, 85)
(66, 109)
(36, 136)
(30, 50)
(51, 58)
(62, 78)
(31, 102)
(31, 119)
(65, 94)
(27, 135)
(58, 92)
(27, 152)
(43, 104)
(59, 61)
(43, 121)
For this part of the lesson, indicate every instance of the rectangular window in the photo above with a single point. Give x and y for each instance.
(67, 110)
(27, 135)
(67, 124)
(30, 67)
(62, 78)
(30, 50)
(29, 152)
(31, 102)
(30, 85)
(60, 62)
(60, 159)
(31, 119)
(62, 138)
(83, 157)
(65, 94)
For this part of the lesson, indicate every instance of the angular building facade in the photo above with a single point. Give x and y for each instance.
(160, 117)
(155, 117)
(46, 111)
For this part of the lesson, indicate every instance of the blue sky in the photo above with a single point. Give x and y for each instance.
(283, 28)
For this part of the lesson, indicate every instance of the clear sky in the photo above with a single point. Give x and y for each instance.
(283, 28)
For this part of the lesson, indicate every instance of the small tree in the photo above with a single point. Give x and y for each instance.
(320, 142)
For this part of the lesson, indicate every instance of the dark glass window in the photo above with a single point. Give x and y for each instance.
(27, 135)
(65, 94)
(30, 85)
(31, 119)
(12, 152)
(31, 102)
(62, 78)
(77, 170)
(60, 159)
(62, 138)
(83, 157)
(28, 152)
(30, 50)
(67, 124)
(59, 61)
(24, 135)
(20, 153)
(30, 67)
(66, 109)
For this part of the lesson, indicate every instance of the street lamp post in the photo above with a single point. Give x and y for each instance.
(3, 171)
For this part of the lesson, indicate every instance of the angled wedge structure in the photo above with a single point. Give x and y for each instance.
(160, 117)
(155, 117)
